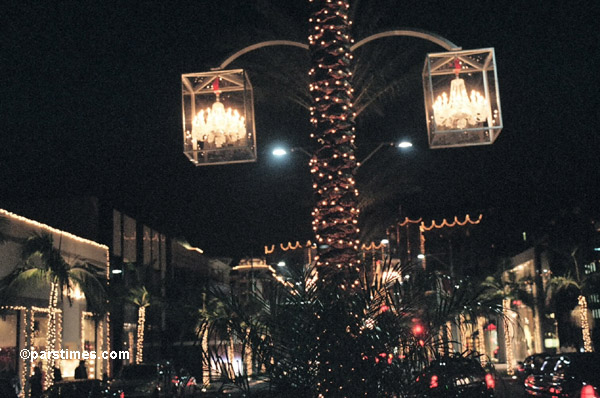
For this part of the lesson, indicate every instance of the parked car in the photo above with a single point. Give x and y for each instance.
(7, 389)
(566, 375)
(76, 389)
(455, 377)
(144, 380)
(531, 364)
(185, 383)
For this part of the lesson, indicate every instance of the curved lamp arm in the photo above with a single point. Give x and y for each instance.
(409, 32)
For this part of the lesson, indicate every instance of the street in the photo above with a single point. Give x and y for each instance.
(508, 387)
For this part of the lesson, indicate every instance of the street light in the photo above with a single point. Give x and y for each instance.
(453, 120)
(279, 152)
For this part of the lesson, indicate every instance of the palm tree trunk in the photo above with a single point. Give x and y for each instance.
(510, 357)
(585, 326)
(481, 340)
(139, 354)
(449, 336)
(231, 354)
(51, 334)
(206, 360)
(332, 115)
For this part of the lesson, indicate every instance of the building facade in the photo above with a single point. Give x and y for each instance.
(25, 315)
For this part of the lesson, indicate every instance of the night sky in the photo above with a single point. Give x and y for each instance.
(90, 104)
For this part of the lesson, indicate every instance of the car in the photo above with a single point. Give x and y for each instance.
(455, 377)
(90, 388)
(573, 375)
(531, 364)
(185, 383)
(7, 388)
(144, 380)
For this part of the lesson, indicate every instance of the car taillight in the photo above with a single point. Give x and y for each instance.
(588, 392)
(122, 395)
(489, 381)
(529, 380)
(433, 383)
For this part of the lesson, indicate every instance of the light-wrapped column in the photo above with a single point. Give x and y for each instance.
(333, 165)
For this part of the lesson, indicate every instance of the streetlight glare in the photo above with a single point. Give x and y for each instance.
(279, 152)
(405, 144)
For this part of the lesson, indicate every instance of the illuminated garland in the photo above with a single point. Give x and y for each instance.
(409, 221)
(297, 245)
(335, 216)
(100, 364)
(50, 229)
(585, 326)
(454, 223)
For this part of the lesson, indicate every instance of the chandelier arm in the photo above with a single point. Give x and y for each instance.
(410, 32)
(256, 46)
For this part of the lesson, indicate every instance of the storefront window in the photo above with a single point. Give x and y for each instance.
(8, 343)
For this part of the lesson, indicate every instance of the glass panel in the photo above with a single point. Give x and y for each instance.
(129, 239)
(461, 98)
(89, 343)
(163, 252)
(147, 246)
(155, 252)
(116, 246)
(218, 117)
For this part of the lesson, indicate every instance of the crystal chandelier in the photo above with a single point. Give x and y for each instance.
(460, 110)
(217, 127)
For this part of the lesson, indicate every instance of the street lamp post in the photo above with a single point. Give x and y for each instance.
(454, 117)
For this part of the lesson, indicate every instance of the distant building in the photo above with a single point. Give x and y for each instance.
(140, 254)
(531, 329)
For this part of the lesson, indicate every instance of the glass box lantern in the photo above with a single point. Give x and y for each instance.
(462, 102)
(218, 117)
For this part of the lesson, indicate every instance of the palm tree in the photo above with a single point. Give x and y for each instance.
(44, 266)
(561, 284)
(583, 285)
(140, 297)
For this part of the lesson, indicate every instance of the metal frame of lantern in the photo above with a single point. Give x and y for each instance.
(462, 101)
(218, 117)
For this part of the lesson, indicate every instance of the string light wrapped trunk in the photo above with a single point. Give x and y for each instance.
(335, 216)
(510, 357)
(139, 348)
(585, 325)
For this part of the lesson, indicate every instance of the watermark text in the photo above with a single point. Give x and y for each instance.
(67, 354)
